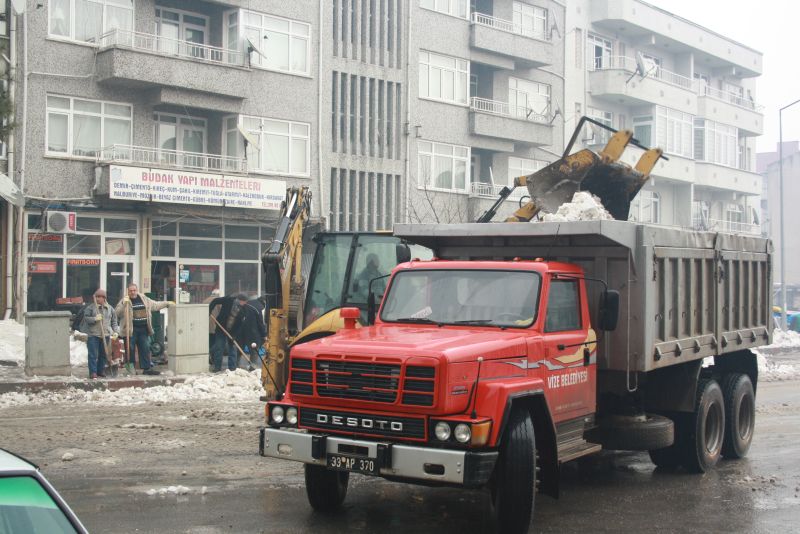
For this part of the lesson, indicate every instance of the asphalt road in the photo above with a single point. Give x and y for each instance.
(120, 454)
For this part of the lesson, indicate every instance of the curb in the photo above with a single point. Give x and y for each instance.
(85, 385)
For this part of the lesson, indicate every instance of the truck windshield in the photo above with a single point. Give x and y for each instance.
(463, 297)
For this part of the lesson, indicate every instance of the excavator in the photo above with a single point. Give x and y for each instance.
(348, 266)
(599, 173)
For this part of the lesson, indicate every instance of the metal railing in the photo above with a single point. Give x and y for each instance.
(628, 64)
(507, 26)
(166, 46)
(482, 189)
(731, 98)
(504, 109)
(720, 225)
(140, 155)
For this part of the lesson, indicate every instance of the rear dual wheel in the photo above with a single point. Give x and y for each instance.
(740, 415)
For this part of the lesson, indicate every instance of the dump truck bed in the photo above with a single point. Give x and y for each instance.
(684, 295)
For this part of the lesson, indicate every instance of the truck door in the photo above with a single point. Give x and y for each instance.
(569, 375)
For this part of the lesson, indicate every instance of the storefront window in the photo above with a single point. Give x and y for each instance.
(83, 244)
(197, 282)
(121, 226)
(241, 278)
(83, 277)
(200, 230)
(163, 247)
(121, 246)
(164, 228)
(39, 243)
(192, 248)
(44, 283)
(88, 224)
(241, 232)
(241, 250)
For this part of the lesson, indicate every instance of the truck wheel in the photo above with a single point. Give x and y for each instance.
(515, 475)
(740, 415)
(326, 489)
(706, 428)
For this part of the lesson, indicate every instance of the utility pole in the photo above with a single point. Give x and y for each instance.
(784, 323)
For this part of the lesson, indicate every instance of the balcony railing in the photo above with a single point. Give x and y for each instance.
(140, 155)
(720, 225)
(504, 109)
(628, 64)
(481, 189)
(166, 46)
(507, 26)
(731, 98)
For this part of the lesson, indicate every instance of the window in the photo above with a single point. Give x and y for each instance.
(443, 166)
(456, 8)
(523, 167)
(715, 142)
(595, 135)
(643, 129)
(443, 77)
(87, 20)
(28, 507)
(282, 146)
(182, 33)
(674, 131)
(734, 217)
(599, 52)
(563, 312)
(530, 20)
(646, 207)
(77, 127)
(283, 44)
(529, 100)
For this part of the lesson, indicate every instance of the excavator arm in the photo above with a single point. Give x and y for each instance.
(283, 286)
(599, 173)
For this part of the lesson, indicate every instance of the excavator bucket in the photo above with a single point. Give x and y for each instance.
(599, 173)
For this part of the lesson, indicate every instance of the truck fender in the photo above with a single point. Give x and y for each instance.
(741, 361)
(499, 398)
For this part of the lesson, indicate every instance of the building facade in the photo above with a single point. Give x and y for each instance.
(678, 86)
(155, 139)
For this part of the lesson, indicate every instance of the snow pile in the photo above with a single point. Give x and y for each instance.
(169, 490)
(773, 371)
(785, 339)
(78, 353)
(230, 386)
(584, 207)
(12, 341)
(776, 361)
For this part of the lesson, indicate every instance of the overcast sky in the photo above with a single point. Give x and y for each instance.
(771, 27)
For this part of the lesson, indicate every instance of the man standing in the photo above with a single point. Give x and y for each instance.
(99, 323)
(135, 311)
(228, 318)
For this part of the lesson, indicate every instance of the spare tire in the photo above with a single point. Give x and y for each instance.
(643, 432)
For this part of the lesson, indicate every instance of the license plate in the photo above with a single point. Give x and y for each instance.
(340, 462)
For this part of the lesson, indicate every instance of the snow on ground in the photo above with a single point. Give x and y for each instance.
(773, 365)
(229, 386)
(584, 207)
(12, 341)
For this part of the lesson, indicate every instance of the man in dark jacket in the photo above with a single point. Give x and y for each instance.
(228, 317)
(251, 329)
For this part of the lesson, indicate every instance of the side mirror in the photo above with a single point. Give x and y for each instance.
(609, 310)
(371, 308)
(403, 253)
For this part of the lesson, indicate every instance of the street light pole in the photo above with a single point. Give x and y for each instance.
(784, 324)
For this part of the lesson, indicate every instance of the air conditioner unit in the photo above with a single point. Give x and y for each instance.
(60, 222)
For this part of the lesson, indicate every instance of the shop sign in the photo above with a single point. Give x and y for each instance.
(35, 236)
(197, 188)
(69, 300)
(43, 267)
(83, 262)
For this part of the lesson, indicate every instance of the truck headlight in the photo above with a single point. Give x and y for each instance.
(291, 415)
(277, 414)
(442, 431)
(462, 433)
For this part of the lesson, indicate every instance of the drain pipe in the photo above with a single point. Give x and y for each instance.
(11, 147)
(22, 250)
(325, 213)
(406, 208)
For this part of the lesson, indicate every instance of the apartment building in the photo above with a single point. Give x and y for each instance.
(680, 87)
(157, 140)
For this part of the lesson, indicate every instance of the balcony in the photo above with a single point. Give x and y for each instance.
(637, 21)
(484, 190)
(615, 78)
(716, 176)
(177, 159)
(720, 225)
(528, 49)
(514, 124)
(730, 108)
(135, 59)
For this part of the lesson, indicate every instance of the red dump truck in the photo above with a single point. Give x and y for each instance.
(524, 346)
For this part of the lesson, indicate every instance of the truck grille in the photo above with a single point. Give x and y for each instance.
(363, 423)
(366, 381)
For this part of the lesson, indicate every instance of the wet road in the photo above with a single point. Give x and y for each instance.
(122, 453)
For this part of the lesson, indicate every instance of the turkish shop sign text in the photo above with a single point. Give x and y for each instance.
(179, 187)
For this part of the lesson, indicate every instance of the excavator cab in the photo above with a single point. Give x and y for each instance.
(600, 173)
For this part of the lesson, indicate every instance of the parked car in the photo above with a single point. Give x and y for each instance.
(29, 504)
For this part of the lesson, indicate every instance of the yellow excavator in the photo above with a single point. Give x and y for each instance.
(346, 267)
(599, 173)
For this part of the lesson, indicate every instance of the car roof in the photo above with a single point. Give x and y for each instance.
(12, 462)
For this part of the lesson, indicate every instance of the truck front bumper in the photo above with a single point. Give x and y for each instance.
(415, 463)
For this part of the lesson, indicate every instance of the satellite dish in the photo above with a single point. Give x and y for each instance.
(248, 138)
(641, 66)
(253, 47)
(19, 6)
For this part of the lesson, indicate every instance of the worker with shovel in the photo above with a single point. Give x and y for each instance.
(100, 324)
(136, 326)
